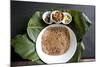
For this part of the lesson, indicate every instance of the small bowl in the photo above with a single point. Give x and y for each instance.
(52, 20)
(67, 18)
(50, 59)
(46, 17)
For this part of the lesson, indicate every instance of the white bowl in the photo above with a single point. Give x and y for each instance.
(66, 14)
(52, 20)
(49, 59)
(45, 14)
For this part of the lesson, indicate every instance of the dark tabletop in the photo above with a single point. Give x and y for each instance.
(22, 11)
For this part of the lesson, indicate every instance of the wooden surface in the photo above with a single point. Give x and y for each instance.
(30, 63)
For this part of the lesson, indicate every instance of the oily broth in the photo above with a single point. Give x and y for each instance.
(55, 40)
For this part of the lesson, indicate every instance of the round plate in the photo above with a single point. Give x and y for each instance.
(49, 59)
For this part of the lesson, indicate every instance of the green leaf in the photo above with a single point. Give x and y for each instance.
(35, 25)
(78, 54)
(33, 33)
(24, 47)
(33, 56)
(80, 23)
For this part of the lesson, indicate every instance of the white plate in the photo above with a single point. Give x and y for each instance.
(49, 59)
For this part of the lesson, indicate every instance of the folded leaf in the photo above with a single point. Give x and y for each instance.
(33, 33)
(24, 47)
(80, 23)
(78, 53)
(35, 25)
